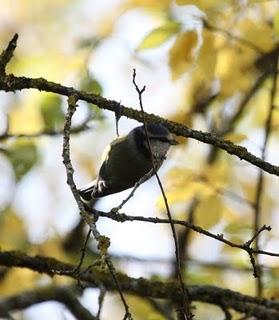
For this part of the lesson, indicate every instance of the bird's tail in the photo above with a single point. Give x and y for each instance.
(87, 190)
(97, 189)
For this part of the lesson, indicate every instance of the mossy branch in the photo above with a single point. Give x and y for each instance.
(170, 290)
(10, 82)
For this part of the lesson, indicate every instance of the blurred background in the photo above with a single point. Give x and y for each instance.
(206, 64)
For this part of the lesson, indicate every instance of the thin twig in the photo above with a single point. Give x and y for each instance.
(161, 309)
(253, 260)
(80, 128)
(131, 194)
(83, 250)
(98, 262)
(227, 127)
(184, 236)
(256, 234)
(69, 168)
(103, 242)
(183, 239)
(260, 182)
(218, 265)
(227, 314)
(7, 54)
(230, 124)
(121, 217)
(101, 299)
(186, 302)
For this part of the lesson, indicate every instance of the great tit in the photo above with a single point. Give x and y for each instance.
(127, 159)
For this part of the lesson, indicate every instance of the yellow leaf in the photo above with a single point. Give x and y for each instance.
(16, 280)
(235, 137)
(180, 176)
(275, 120)
(209, 211)
(9, 221)
(216, 174)
(26, 118)
(231, 69)
(196, 91)
(181, 53)
(207, 56)
(260, 33)
(186, 192)
(54, 248)
(142, 309)
(200, 88)
(159, 35)
(178, 195)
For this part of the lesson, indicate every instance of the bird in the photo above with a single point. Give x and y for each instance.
(127, 159)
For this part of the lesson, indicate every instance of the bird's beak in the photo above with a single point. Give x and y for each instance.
(173, 142)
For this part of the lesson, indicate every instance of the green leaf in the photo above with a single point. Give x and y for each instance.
(159, 35)
(51, 111)
(90, 84)
(23, 156)
(89, 43)
(276, 23)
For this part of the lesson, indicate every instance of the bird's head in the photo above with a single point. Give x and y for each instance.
(159, 137)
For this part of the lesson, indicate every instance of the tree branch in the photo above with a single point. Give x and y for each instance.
(12, 83)
(103, 241)
(121, 217)
(260, 178)
(52, 133)
(263, 309)
(7, 54)
(184, 311)
(60, 294)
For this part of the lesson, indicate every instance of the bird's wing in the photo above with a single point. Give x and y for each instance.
(108, 148)
(104, 184)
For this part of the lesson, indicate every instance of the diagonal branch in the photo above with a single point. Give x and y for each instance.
(185, 310)
(7, 54)
(12, 83)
